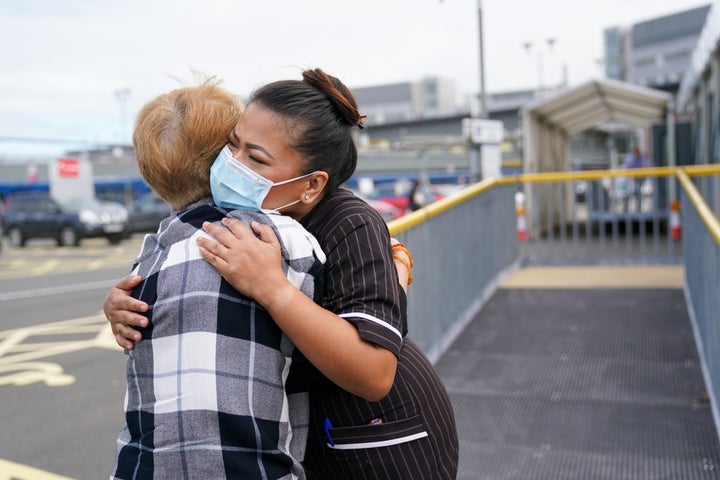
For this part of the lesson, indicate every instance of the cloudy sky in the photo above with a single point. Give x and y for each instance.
(66, 62)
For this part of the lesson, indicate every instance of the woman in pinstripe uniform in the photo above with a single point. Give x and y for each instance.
(378, 409)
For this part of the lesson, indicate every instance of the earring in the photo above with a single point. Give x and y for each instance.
(307, 196)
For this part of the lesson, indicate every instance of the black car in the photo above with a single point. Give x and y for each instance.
(38, 215)
(146, 213)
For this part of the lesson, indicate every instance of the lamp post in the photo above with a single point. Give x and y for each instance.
(475, 152)
(483, 100)
(550, 42)
(474, 149)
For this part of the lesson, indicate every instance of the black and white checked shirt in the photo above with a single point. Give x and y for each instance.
(212, 391)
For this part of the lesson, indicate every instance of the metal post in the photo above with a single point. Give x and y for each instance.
(476, 173)
(672, 161)
(483, 100)
(541, 62)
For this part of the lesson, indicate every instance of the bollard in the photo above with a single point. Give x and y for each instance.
(521, 223)
(675, 227)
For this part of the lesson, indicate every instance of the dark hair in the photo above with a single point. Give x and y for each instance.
(320, 111)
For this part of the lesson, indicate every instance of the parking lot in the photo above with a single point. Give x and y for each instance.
(61, 374)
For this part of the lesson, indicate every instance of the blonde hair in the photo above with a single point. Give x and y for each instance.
(179, 134)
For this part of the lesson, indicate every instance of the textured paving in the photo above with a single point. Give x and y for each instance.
(581, 384)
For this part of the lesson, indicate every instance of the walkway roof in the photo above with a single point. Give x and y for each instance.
(590, 105)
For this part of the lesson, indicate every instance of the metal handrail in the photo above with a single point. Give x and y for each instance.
(419, 216)
(707, 216)
(434, 209)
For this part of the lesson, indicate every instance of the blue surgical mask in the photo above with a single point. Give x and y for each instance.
(235, 186)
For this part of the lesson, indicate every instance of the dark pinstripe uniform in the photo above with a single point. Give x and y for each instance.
(411, 433)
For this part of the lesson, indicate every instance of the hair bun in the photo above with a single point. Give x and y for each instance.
(339, 95)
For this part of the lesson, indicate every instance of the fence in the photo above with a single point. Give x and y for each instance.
(465, 244)
(701, 254)
(462, 246)
(602, 217)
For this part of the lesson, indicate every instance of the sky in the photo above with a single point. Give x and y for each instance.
(79, 70)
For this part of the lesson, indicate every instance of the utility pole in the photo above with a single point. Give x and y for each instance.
(483, 99)
(475, 149)
(475, 152)
(540, 61)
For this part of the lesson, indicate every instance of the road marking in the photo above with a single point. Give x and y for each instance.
(597, 277)
(19, 354)
(46, 267)
(21, 374)
(43, 292)
(16, 471)
(18, 264)
(96, 264)
(42, 259)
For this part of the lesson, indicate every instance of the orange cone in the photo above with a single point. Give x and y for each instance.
(675, 227)
(521, 224)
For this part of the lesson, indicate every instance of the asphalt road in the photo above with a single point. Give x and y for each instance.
(61, 374)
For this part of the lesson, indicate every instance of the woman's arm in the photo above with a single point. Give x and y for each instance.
(253, 266)
(123, 312)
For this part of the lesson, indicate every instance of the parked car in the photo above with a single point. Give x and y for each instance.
(442, 190)
(38, 215)
(396, 193)
(146, 213)
(387, 210)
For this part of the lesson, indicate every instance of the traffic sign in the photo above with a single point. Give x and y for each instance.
(483, 130)
(68, 167)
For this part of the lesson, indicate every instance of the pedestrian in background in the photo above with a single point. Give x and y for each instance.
(632, 186)
(417, 198)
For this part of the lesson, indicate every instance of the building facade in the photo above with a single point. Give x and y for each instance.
(430, 97)
(699, 95)
(654, 53)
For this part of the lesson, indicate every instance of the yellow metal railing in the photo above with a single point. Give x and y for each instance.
(681, 173)
(706, 215)
(464, 243)
(436, 208)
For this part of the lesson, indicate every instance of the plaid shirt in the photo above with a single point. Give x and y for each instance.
(214, 388)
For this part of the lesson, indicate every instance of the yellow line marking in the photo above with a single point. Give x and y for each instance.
(21, 374)
(634, 276)
(19, 263)
(13, 338)
(16, 471)
(36, 260)
(18, 365)
(96, 264)
(46, 267)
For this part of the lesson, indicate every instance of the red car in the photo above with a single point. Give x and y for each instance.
(398, 197)
(387, 210)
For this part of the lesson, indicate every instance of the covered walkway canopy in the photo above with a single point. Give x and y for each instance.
(548, 123)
